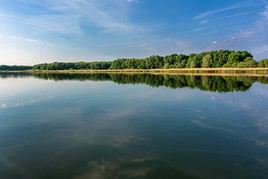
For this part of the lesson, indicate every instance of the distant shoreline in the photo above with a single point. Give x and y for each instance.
(173, 71)
(219, 61)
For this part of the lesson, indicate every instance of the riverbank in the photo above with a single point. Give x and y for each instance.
(180, 71)
(173, 71)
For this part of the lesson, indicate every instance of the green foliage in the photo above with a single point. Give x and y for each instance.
(73, 66)
(236, 57)
(212, 59)
(248, 62)
(175, 61)
(263, 63)
(14, 68)
(207, 61)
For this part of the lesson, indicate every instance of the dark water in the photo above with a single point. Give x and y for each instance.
(133, 126)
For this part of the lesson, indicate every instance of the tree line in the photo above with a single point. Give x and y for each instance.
(14, 68)
(211, 59)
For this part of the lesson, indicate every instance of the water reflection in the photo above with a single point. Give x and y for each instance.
(207, 83)
(104, 130)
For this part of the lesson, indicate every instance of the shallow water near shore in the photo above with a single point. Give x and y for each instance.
(133, 126)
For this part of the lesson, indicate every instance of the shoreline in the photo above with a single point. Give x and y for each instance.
(254, 72)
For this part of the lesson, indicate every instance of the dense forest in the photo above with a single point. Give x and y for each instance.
(211, 59)
(14, 68)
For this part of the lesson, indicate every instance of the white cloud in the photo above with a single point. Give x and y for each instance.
(65, 16)
(203, 21)
(30, 40)
(265, 12)
(225, 17)
(253, 38)
(25, 39)
(217, 11)
(132, 1)
(112, 16)
(257, 32)
(198, 29)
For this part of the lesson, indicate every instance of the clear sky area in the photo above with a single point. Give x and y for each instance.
(37, 31)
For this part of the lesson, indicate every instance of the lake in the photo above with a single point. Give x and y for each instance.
(55, 126)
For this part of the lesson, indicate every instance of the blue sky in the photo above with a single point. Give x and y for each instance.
(35, 31)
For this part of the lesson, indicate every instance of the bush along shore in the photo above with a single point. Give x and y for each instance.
(227, 59)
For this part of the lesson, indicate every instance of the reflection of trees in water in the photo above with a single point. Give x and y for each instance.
(14, 75)
(202, 82)
(208, 83)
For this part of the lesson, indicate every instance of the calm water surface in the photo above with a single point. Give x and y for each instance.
(133, 126)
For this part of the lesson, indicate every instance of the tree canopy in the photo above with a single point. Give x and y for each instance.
(263, 63)
(210, 59)
(14, 68)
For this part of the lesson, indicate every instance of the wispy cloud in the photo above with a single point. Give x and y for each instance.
(217, 11)
(30, 40)
(244, 34)
(25, 39)
(132, 1)
(226, 17)
(106, 29)
(65, 16)
(257, 31)
(99, 13)
(198, 29)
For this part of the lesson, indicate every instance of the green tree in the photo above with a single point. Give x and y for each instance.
(248, 62)
(263, 63)
(207, 61)
(212, 59)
